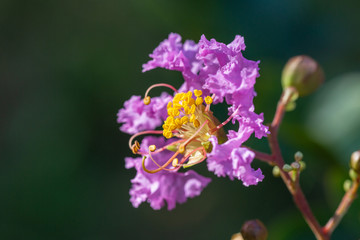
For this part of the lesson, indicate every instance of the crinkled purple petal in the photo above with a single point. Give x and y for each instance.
(226, 159)
(162, 187)
(136, 116)
(226, 72)
(248, 118)
(173, 55)
(241, 162)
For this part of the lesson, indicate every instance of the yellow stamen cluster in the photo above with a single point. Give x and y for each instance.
(183, 110)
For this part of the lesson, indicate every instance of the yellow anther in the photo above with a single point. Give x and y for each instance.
(137, 144)
(184, 119)
(187, 110)
(197, 93)
(191, 101)
(165, 126)
(169, 105)
(169, 120)
(167, 134)
(152, 148)
(176, 112)
(177, 106)
(208, 100)
(192, 109)
(147, 100)
(189, 94)
(192, 118)
(172, 126)
(199, 100)
(175, 162)
(178, 122)
(135, 147)
(196, 123)
(178, 97)
(184, 104)
(181, 149)
(173, 112)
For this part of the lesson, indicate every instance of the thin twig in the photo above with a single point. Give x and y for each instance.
(343, 207)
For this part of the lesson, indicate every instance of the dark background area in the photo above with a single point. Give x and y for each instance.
(66, 67)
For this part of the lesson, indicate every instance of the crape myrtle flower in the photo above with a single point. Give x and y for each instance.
(214, 73)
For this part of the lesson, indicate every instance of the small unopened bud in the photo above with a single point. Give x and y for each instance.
(347, 185)
(237, 236)
(276, 171)
(254, 230)
(298, 156)
(287, 168)
(303, 73)
(295, 165)
(353, 175)
(302, 165)
(355, 161)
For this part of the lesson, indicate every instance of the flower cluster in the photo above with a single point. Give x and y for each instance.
(214, 73)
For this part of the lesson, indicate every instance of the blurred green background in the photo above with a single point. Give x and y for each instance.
(66, 67)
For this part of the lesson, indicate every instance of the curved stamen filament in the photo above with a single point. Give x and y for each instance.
(166, 146)
(163, 167)
(159, 85)
(225, 122)
(160, 167)
(131, 145)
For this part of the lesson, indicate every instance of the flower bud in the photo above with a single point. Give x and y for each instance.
(254, 230)
(287, 168)
(303, 73)
(237, 236)
(298, 156)
(347, 185)
(276, 171)
(353, 174)
(355, 161)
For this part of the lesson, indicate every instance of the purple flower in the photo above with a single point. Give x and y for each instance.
(213, 73)
(169, 187)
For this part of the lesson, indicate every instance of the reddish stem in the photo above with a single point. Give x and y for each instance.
(343, 207)
(294, 188)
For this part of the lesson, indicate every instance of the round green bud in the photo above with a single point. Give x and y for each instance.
(303, 73)
(302, 165)
(287, 168)
(237, 236)
(254, 230)
(295, 165)
(276, 171)
(355, 161)
(298, 156)
(353, 175)
(347, 185)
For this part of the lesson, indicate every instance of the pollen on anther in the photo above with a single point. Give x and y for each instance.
(199, 100)
(152, 148)
(196, 123)
(192, 118)
(181, 149)
(197, 93)
(208, 100)
(147, 100)
(175, 162)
